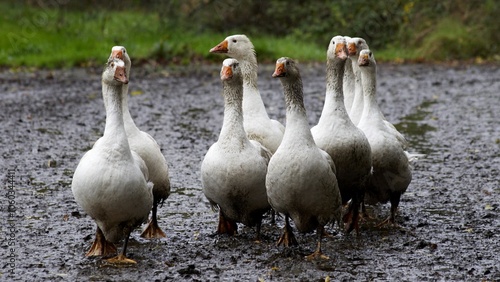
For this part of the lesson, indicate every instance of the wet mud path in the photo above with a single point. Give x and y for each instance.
(449, 217)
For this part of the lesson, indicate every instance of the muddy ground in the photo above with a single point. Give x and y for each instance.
(449, 218)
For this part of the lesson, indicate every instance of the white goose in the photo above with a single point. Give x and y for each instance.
(300, 181)
(391, 171)
(340, 138)
(110, 180)
(348, 83)
(148, 149)
(233, 172)
(258, 125)
(354, 46)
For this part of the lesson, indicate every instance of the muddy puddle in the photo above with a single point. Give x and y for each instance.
(449, 217)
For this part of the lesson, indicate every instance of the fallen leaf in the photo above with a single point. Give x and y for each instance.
(136, 92)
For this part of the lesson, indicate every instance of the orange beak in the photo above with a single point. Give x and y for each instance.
(352, 49)
(220, 48)
(117, 54)
(226, 73)
(341, 51)
(120, 75)
(279, 71)
(363, 60)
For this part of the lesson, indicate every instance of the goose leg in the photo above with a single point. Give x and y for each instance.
(391, 220)
(153, 230)
(352, 219)
(226, 226)
(121, 258)
(257, 237)
(274, 214)
(353, 214)
(101, 246)
(318, 253)
(287, 238)
(364, 213)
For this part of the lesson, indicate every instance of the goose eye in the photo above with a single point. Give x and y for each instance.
(370, 54)
(234, 40)
(112, 65)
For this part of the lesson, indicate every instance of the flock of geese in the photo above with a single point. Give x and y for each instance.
(313, 176)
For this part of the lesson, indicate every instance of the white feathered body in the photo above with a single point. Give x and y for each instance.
(301, 180)
(233, 178)
(112, 190)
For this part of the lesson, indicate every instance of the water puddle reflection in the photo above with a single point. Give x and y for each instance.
(415, 128)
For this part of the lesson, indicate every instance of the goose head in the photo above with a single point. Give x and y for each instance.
(288, 72)
(115, 72)
(285, 68)
(236, 46)
(337, 48)
(355, 45)
(230, 71)
(366, 59)
(119, 52)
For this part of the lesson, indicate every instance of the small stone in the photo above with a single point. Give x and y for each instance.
(51, 163)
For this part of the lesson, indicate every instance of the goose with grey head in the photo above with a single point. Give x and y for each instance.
(148, 149)
(109, 182)
(340, 138)
(348, 81)
(301, 182)
(233, 171)
(354, 46)
(258, 125)
(391, 170)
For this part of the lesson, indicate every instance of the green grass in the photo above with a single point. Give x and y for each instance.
(49, 39)
(53, 38)
(452, 40)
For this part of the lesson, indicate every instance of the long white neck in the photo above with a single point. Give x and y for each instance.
(334, 99)
(129, 123)
(252, 102)
(371, 111)
(357, 103)
(232, 126)
(348, 84)
(297, 125)
(114, 131)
